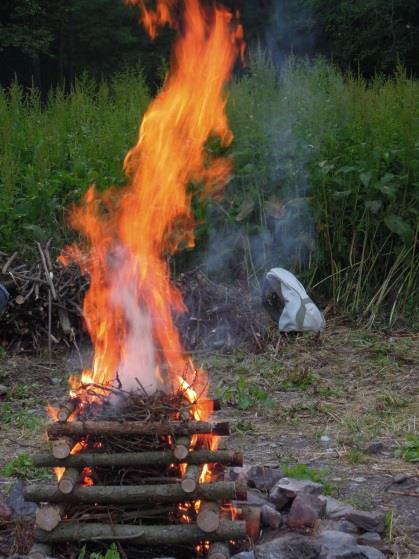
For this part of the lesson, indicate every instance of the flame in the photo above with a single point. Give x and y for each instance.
(130, 232)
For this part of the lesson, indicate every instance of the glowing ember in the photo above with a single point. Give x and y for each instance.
(131, 231)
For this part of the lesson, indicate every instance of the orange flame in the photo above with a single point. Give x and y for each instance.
(129, 305)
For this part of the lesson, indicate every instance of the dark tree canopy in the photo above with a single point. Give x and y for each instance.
(51, 41)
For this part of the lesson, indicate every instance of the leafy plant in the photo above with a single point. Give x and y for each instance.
(111, 553)
(245, 396)
(23, 467)
(19, 417)
(410, 449)
(301, 471)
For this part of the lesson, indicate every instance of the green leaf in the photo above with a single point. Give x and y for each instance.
(365, 178)
(399, 226)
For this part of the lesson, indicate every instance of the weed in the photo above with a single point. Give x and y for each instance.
(20, 418)
(389, 525)
(301, 471)
(410, 449)
(245, 396)
(244, 427)
(111, 553)
(23, 467)
(298, 379)
(355, 456)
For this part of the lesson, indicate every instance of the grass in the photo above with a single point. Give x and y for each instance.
(410, 449)
(23, 467)
(326, 175)
(301, 471)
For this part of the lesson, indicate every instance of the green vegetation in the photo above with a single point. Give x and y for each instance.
(21, 418)
(309, 142)
(111, 553)
(301, 471)
(410, 449)
(245, 395)
(22, 467)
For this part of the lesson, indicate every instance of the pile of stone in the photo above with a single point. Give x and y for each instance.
(299, 522)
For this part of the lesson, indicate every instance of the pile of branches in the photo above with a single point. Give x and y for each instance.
(46, 299)
(45, 305)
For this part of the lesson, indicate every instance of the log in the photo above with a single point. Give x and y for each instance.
(181, 449)
(91, 459)
(39, 551)
(141, 535)
(190, 480)
(125, 428)
(67, 409)
(218, 550)
(69, 480)
(108, 495)
(49, 516)
(61, 448)
(208, 519)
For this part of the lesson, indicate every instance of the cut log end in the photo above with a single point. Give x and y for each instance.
(180, 452)
(48, 517)
(219, 550)
(68, 481)
(208, 519)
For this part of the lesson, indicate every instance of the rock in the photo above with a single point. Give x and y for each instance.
(270, 517)
(255, 497)
(291, 546)
(368, 521)
(375, 447)
(370, 538)
(263, 478)
(340, 526)
(400, 478)
(305, 511)
(20, 508)
(3, 389)
(356, 552)
(334, 541)
(371, 552)
(286, 489)
(244, 555)
(336, 509)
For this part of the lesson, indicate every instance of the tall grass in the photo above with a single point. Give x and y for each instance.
(313, 142)
(50, 152)
(326, 175)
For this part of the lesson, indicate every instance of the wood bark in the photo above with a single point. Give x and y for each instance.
(219, 550)
(190, 480)
(148, 535)
(124, 428)
(107, 495)
(208, 518)
(66, 410)
(69, 480)
(88, 459)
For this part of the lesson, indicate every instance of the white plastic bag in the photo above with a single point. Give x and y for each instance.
(299, 313)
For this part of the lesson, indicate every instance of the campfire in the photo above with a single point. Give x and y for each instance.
(135, 453)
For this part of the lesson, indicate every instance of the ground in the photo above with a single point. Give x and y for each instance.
(343, 404)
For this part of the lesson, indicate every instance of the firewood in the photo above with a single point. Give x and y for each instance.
(61, 448)
(218, 550)
(181, 449)
(190, 480)
(49, 516)
(68, 480)
(208, 518)
(125, 428)
(40, 551)
(67, 409)
(170, 493)
(141, 535)
(226, 457)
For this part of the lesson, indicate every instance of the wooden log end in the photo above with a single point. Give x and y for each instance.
(61, 448)
(219, 550)
(208, 519)
(221, 429)
(189, 485)
(48, 517)
(180, 452)
(68, 481)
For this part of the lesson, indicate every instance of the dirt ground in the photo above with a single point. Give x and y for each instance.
(343, 404)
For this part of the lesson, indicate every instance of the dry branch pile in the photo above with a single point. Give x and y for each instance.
(46, 302)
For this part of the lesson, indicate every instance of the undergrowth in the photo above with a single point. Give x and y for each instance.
(325, 183)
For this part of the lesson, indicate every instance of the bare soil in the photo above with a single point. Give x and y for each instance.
(341, 404)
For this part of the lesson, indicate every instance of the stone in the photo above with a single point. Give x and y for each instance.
(333, 541)
(400, 478)
(263, 478)
(375, 447)
(368, 521)
(270, 517)
(3, 389)
(371, 552)
(340, 526)
(291, 546)
(244, 555)
(306, 510)
(356, 552)
(16, 501)
(287, 489)
(370, 538)
(255, 497)
(336, 509)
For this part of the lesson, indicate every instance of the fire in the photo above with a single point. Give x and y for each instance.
(130, 232)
